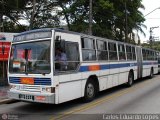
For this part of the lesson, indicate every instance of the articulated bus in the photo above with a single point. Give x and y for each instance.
(92, 64)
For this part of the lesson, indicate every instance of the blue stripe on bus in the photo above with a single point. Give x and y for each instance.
(37, 81)
(114, 66)
(150, 63)
(108, 66)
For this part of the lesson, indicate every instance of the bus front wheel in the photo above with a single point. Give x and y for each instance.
(90, 91)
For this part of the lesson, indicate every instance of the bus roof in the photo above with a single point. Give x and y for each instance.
(33, 31)
(72, 32)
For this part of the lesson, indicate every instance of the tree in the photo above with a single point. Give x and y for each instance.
(111, 19)
(77, 15)
(114, 19)
(131, 15)
(39, 14)
(9, 9)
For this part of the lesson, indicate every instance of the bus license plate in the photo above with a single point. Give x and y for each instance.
(26, 97)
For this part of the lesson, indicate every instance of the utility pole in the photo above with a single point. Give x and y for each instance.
(126, 23)
(151, 28)
(2, 30)
(32, 16)
(17, 5)
(90, 17)
(151, 35)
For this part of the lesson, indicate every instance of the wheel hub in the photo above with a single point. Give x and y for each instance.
(90, 90)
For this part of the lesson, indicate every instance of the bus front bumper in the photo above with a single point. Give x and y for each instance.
(32, 97)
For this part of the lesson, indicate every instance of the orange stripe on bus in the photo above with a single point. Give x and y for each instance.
(94, 67)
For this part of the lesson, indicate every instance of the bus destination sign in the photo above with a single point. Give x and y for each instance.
(32, 36)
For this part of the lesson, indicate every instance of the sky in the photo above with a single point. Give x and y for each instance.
(152, 20)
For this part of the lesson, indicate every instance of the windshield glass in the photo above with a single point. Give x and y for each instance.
(30, 58)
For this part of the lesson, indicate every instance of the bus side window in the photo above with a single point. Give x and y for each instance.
(121, 51)
(72, 53)
(129, 52)
(156, 55)
(148, 55)
(144, 54)
(112, 51)
(133, 53)
(88, 49)
(102, 52)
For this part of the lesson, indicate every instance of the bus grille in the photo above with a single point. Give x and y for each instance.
(37, 81)
(30, 88)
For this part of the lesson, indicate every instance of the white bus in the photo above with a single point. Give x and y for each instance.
(158, 54)
(92, 64)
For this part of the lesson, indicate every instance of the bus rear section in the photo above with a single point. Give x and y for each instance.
(150, 62)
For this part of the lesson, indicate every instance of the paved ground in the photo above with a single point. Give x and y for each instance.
(116, 103)
(3, 92)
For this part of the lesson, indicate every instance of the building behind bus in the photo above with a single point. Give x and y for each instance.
(5, 42)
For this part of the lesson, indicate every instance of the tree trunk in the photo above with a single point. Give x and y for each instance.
(66, 16)
(32, 16)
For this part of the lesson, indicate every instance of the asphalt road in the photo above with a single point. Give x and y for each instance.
(141, 101)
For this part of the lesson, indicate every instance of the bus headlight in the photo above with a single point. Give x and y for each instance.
(48, 89)
(12, 86)
(15, 87)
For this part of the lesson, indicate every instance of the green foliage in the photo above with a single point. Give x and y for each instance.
(109, 17)
(155, 45)
(16, 10)
(10, 9)
(114, 19)
(9, 26)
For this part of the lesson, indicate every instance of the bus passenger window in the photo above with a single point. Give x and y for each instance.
(129, 52)
(72, 52)
(67, 59)
(88, 49)
(102, 52)
(144, 54)
(133, 53)
(112, 51)
(121, 50)
(61, 59)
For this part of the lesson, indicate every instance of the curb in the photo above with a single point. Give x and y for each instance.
(6, 101)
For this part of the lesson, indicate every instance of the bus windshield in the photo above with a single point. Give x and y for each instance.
(30, 58)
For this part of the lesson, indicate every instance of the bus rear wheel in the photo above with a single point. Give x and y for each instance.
(151, 73)
(90, 91)
(130, 79)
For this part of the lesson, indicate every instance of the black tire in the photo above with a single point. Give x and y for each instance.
(130, 79)
(90, 91)
(151, 73)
